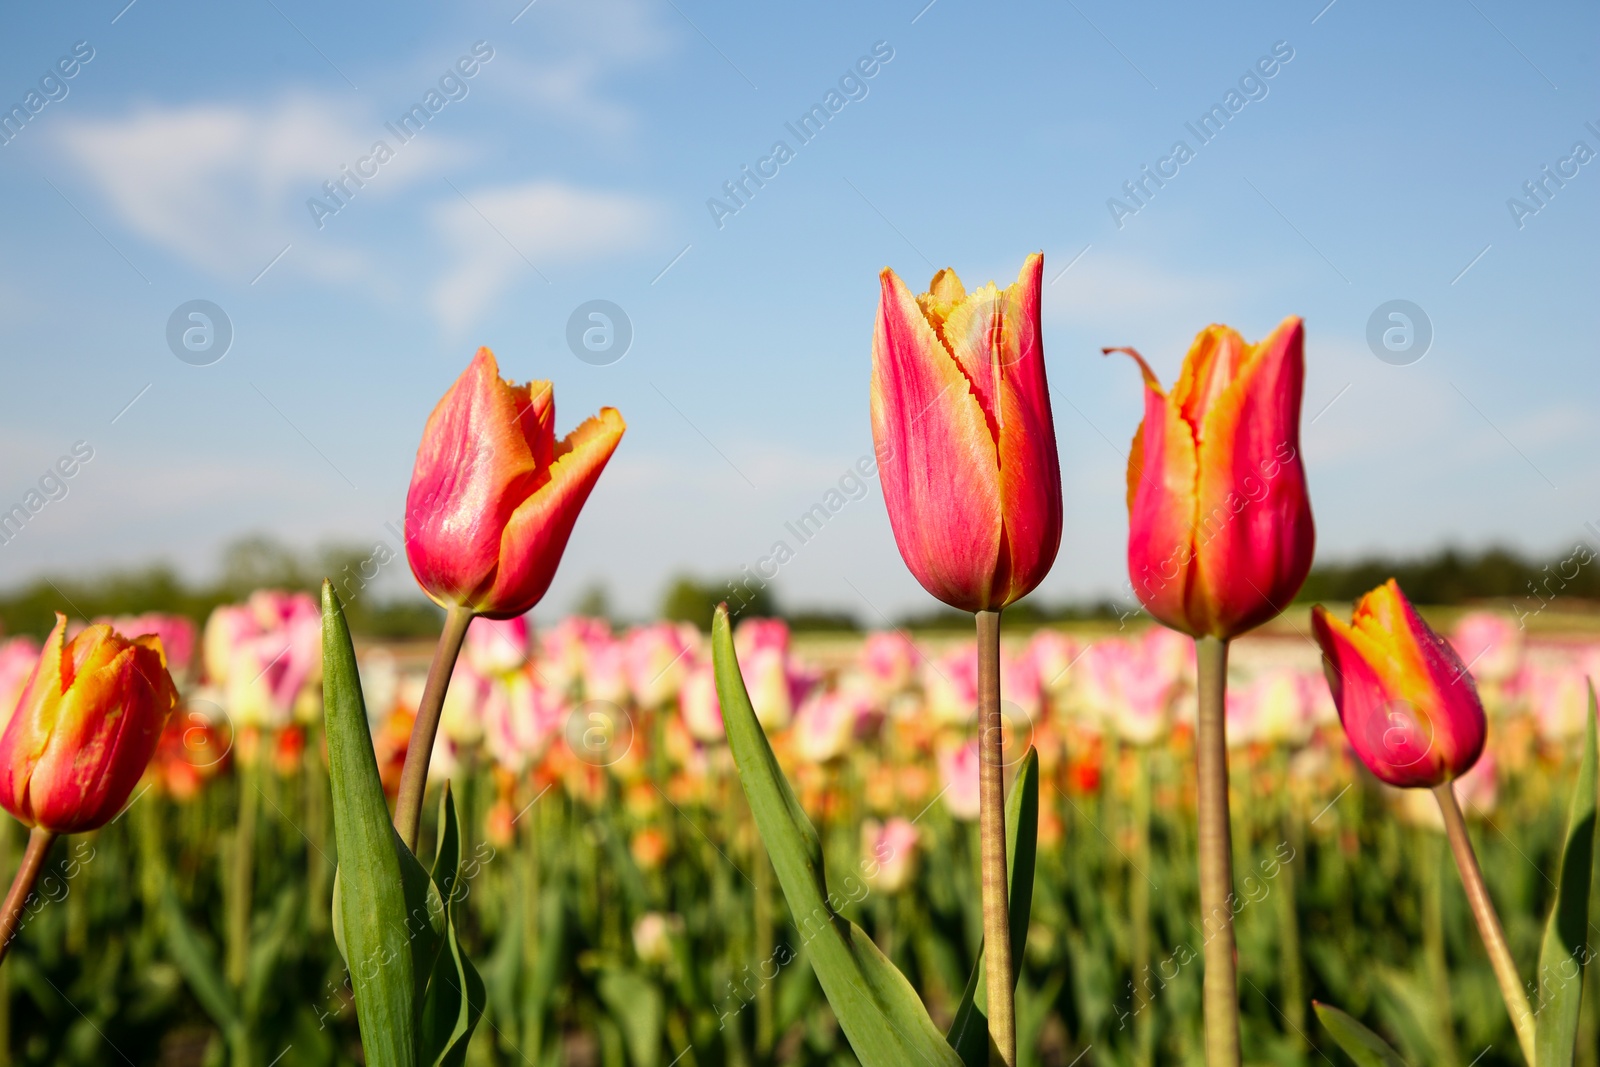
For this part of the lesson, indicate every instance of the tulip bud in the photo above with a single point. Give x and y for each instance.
(889, 854)
(965, 441)
(494, 495)
(87, 722)
(1407, 703)
(1219, 524)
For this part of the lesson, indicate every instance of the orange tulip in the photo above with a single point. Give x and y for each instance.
(1220, 535)
(88, 721)
(494, 495)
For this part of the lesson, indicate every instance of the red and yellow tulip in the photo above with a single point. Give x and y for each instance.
(965, 440)
(494, 495)
(1409, 707)
(1220, 534)
(89, 718)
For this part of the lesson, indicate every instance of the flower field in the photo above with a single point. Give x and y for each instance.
(621, 908)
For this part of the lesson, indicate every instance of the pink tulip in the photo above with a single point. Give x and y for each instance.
(262, 655)
(889, 659)
(699, 706)
(1127, 687)
(461, 718)
(494, 496)
(17, 657)
(1220, 535)
(1489, 644)
(951, 684)
(1408, 704)
(965, 440)
(176, 633)
(495, 646)
(1054, 654)
(829, 722)
(656, 658)
(521, 717)
(605, 675)
(889, 854)
(958, 769)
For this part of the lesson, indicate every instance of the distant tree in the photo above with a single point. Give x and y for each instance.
(688, 599)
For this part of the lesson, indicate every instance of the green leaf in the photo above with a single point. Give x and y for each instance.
(1565, 950)
(969, 1031)
(267, 946)
(1363, 1046)
(371, 903)
(195, 961)
(636, 1004)
(886, 1024)
(456, 995)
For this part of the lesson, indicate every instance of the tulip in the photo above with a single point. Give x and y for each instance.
(656, 659)
(89, 718)
(1220, 535)
(889, 659)
(1412, 714)
(521, 717)
(967, 456)
(494, 495)
(1219, 541)
(176, 633)
(86, 724)
(1408, 705)
(698, 705)
(958, 769)
(493, 499)
(965, 440)
(17, 659)
(496, 646)
(829, 722)
(889, 854)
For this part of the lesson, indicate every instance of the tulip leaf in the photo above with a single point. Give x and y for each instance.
(1363, 1046)
(371, 902)
(885, 1022)
(456, 994)
(969, 1032)
(197, 963)
(1565, 950)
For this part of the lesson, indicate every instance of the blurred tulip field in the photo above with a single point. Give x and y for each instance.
(622, 910)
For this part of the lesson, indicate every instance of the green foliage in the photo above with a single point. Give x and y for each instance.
(384, 916)
(1566, 948)
(1363, 1046)
(875, 1005)
(969, 1032)
(689, 599)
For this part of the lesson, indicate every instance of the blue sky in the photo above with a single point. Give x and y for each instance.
(576, 163)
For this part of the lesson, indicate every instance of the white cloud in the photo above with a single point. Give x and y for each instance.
(500, 231)
(224, 186)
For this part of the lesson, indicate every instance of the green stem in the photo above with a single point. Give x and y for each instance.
(1294, 1013)
(1494, 938)
(414, 775)
(241, 877)
(318, 876)
(39, 842)
(1221, 984)
(992, 830)
(764, 947)
(1139, 908)
(1433, 948)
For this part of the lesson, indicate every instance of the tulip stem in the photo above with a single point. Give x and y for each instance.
(414, 775)
(1221, 983)
(39, 842)
(992, 831)
(1494, 938)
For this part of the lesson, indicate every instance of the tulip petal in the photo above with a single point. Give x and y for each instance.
(1254, 535)
(537, 532)
(1030, 469)
(936, 455)
(27, 735)
(474, 468)
(1162, 469)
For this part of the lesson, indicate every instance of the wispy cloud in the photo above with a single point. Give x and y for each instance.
(496, 233)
